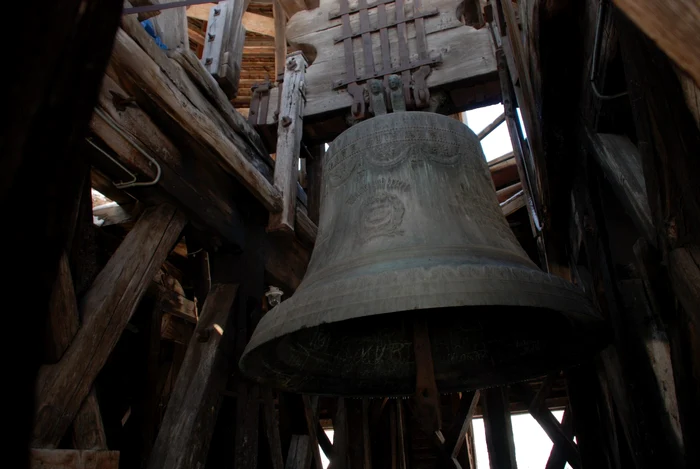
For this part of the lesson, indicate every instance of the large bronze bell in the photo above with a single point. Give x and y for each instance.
(411, 229)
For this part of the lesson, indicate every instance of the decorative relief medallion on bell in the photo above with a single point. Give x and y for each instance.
(410, 229)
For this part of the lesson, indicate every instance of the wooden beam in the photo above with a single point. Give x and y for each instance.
(289, 132)
(272, 429)
(311, 424)
(299, 456)
(673, 25)
(467, 54)
(259, 24)
(498, 428)
(171, 26)
(280, 25)
(492, 126)
(106, 307)
(73, 459)
(188, 424)
(63, 312)
(132, 61)
(200, 189)
(622, 165)
(456, 437)
(548, 422)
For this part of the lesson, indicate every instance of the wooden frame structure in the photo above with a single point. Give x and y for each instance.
(143, 314)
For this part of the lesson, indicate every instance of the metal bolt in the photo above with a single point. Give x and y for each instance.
(208, 61)
(211, 37)
(291, 64)
(217, 11)
(286, 121)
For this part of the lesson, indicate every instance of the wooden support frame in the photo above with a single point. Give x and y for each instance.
(185, 433)
(310, 405)
(498, 428)
(456, 436)
(289, 133)
(280, 20)
(548, 422)
(106, 307)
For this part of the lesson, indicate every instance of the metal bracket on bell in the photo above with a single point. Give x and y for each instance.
(398, 103)
(376, 97)
(421, 93)
(358, 109)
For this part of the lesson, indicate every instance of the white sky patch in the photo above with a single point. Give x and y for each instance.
(497, 143)
(532, 445)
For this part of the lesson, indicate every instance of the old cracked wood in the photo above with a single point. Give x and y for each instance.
(467, 53)
(106, 307)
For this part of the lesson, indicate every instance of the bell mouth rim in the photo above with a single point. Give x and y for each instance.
(535, 290)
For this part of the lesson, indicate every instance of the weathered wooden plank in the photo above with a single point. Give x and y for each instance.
(212, 92)
(289, 132)
(456, 438)
(280, 20)
(88, 428)
(63, 313)
(198, 188)
(311, 424)
(340, 437)
(498, 429)
(673, 25)
(258, 24)
(467, 53)
(131, 61)
(622, 165)
(185, 433)
(73, 459)
(171, 25)
(272, 429)
(299, 456)
(106, 309)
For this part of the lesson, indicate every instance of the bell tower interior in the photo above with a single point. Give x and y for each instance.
(353, 234)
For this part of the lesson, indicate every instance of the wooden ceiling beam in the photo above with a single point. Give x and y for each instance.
(252, 22)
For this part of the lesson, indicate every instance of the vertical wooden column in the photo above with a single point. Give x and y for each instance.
(224, 41)
(171, 25)
(280, 37)
(183, 439)
(498, 429)
(289, 132)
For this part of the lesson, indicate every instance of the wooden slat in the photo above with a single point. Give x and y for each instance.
(73, 459)
(454, 441)
(673, 25)
(188, 424)
(259, 24)
(88, 428)
(289, 132)
(106, 307)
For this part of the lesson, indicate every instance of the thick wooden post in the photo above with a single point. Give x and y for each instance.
(106, 307)
(498, 429)
(289, 132)
(280, 36)
(188, 424)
